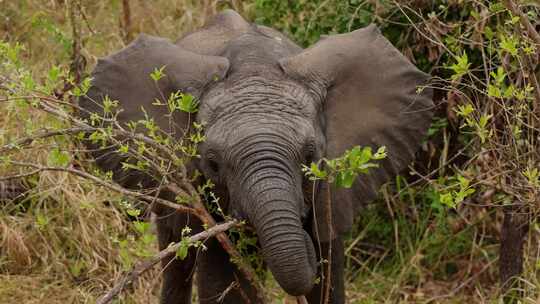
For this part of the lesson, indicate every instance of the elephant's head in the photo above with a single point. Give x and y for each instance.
(269, 107)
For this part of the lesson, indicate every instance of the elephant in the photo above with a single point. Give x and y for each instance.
(269, 106)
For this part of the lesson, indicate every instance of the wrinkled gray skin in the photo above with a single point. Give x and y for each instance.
(269, 107)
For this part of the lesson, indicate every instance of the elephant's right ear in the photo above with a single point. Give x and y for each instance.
(125, 76)
(373, 96)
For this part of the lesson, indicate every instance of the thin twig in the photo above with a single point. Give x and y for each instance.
(524, 20)
(144, 266)
(329, 222)
(44, 134)
(109, 185)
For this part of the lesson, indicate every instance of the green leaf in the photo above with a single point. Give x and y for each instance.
(157, 74)
(461, 67)
(183, 248)
(381, 153)
(509, 44)
(188, 103)
(365, 156)
(124, 148)
(133, 212)
(494, 91)
(141, 227)
(345, 179)
(488, 32)
(499, 76)
(464, 110)
(318, 173)
(54, 74)
(446, 199)
(58, 158)
(482, 122)
(83, 87)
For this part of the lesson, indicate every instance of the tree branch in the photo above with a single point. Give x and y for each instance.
(144, 266)
(126, 10)
(108, 185)
(44, 134)
(329, 222)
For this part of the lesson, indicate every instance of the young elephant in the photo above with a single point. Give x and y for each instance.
(269, 107)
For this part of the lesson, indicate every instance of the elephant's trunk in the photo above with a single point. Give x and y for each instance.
(273, 203)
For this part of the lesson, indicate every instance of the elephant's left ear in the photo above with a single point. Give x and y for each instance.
(149, 69)
(374, 97)
(126, 76)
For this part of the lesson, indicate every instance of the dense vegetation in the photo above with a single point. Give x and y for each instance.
(434, 234)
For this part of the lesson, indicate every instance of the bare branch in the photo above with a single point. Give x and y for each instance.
(44, 134)
(329, 222)
(144, 266)
(110, 186)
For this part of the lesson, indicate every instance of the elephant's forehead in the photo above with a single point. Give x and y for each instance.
(255, 108)
(257, 97)
(262, 131)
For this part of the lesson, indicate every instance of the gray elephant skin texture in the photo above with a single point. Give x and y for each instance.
(268, 106)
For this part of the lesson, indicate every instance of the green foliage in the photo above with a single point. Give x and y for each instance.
(343, 170)
(185, 244)
(245, 241)
(461, 67)
(305, 20)
(457, 189)
(58, 158)
(182, 102)
(157, 74)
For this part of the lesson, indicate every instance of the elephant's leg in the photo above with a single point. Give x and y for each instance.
(219, 280)
(337, 288)
(177, 274)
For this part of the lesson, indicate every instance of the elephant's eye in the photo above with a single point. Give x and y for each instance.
(309, 153)
(212, 161)
(213, 165)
